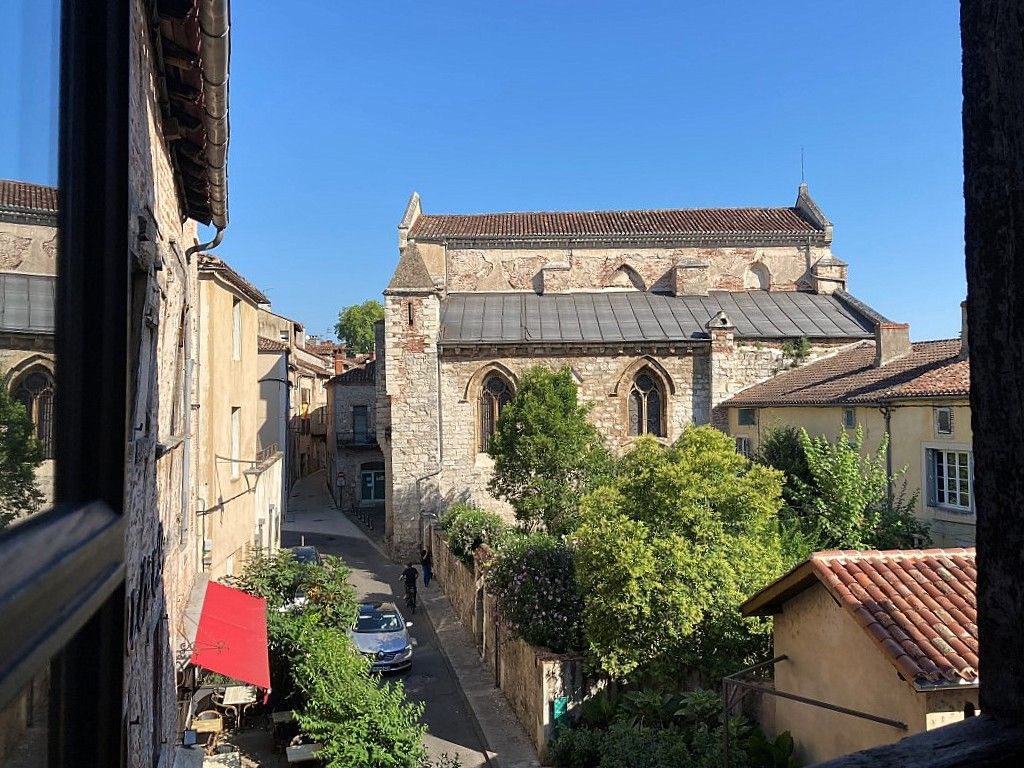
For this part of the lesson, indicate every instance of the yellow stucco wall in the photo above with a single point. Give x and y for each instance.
(912, 425)
(832, 659)
(226, 383)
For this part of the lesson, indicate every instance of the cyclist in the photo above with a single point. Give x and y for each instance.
(409, 576)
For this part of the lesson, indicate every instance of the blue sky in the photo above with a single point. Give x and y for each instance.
(340, 110)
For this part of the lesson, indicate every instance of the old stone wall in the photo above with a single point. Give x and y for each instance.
(349, 456)
(160, 546)
(604, 383)
(729, 268)
(531, 678)
(413, 323)
(28, 248)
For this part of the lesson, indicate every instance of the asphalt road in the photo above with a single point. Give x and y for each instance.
(450, 725)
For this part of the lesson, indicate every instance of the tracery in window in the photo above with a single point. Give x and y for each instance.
(646, 405)
(34, 390)
(494, 395)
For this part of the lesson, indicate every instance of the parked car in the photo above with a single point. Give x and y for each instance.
(382, 635)
(307, 555)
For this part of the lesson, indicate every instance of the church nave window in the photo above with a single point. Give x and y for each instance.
(646, 406)
(494, 396)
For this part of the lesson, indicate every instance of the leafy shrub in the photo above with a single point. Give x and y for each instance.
(598, 711)
(578, 748)
(772, 754)
(533, 579)
(469, 527)
(359, 720)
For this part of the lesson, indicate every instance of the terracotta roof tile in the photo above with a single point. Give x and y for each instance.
(930, 369)
(919, 607)
(209, 263)
(362, 374)
(271, 345)
(26, 203)
(642, 224)
(28, 197)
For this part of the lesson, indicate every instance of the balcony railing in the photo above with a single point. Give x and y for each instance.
(356, 439)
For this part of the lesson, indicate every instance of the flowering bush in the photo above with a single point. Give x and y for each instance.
(533, 579)
(469, 527)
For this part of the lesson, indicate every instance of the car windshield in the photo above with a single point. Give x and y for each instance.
(379, 621)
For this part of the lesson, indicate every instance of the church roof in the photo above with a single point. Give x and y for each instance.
(411, 274)
(21, 201)
(638, 316)
(647, 225)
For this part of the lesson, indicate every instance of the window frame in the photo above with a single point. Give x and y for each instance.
(364, 434)
(236, 442)
(744, 446)
(930, 479)
(236, 328)
(643, 405)
(484, 435)
(84, 632)
(936, 411)
(849, 418)
(753, 417)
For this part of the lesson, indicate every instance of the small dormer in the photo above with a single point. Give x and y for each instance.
(690, 278)
(828, 275)
(555, 276)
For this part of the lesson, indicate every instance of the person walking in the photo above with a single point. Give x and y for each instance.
(427, 563)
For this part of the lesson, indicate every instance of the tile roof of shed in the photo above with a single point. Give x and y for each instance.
(638, 316)
(930, 369)
(612, 225)
(918, 606)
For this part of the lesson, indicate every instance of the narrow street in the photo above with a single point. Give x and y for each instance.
(451, 725)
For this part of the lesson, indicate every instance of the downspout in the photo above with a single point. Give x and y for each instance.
(887, 416)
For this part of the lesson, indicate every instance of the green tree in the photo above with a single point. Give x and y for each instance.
(546, 453)
(666, 553)
(20, 454)
(849, 506)
(355, 325)
(358, 719)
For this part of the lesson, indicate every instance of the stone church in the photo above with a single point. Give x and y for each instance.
(662, 315)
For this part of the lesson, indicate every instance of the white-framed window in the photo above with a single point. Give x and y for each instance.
(371, 482)
(950, 478)
(744, 447)
(236, 443)
(850, 418)
(747, 417)
(944, 421)
(236, 329)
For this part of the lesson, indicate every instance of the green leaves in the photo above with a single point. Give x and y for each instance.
(546, 453)
(355, 325)
(468, 528)
(666, 553)
(360, 720)
(20, 454)
(848, 506)
(534, 581)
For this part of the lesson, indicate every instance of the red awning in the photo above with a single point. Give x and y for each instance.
(232, 635)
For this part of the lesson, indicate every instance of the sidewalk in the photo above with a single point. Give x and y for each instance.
(310, 511)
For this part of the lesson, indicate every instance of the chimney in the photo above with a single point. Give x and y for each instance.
(892, 341)
(964, 349)
(339, 359)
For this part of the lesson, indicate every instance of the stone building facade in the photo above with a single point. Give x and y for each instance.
(28, 266)
(356, 475)
(660, 315)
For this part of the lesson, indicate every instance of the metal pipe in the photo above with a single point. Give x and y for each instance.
(887, 415)
(206, 246)
(824, 705)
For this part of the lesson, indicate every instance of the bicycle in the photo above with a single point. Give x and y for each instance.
(410, 598)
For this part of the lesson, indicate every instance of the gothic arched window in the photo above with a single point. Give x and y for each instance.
(34, 390)
(646, 406)
(494, 395)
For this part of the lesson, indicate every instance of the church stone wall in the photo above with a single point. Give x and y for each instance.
(520, 269)
(411, 452)
(466, 471)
